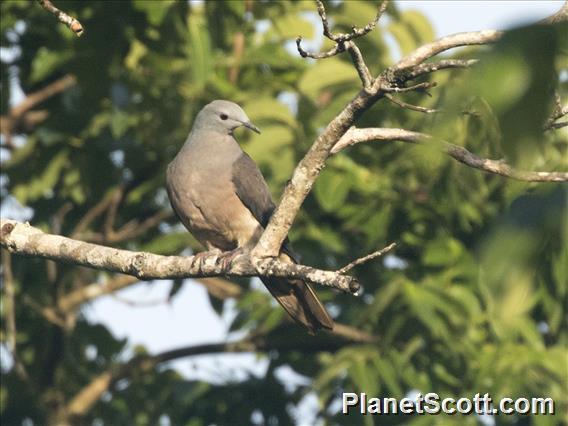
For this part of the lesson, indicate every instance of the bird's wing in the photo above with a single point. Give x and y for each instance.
(251, 188)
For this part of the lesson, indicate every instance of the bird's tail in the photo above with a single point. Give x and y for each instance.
(299, 300)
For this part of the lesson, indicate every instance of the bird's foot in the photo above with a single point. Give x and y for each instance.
(226, 258)
(200, 257)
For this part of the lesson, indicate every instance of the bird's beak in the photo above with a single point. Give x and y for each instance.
(251, 126)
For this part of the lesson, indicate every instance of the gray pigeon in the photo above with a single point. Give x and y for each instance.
(220, 196)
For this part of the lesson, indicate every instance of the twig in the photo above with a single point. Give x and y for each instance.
(354, 136)
(110, 218)
(360, 65)
(24, 239)
(47, 313)
(338, 48)
(21, 115)
(343, 41)
(73, 24)
(94, 212)
(238, 49)
(559, 111)
(420, 87)
(135, 228)
(559, 125)
(367, 258)
(355, 32)
(443, 64)
(403, 104)
(139, 303)
(75, 298)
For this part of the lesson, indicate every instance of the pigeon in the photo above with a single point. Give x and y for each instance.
(221, 197)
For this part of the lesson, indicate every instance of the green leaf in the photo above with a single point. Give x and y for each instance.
(411, 30)
(155, 10)
(331, 190)
(137, 51)
(119, 123)
(273, 143)
(294, 25)
(443, 251)
(199, 51)
(40, 185)
(326, 74)
(46, 62)
(269, 109)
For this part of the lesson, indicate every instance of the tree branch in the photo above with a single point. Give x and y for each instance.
(367, 258)
(313, 162)
(443, 64)
(558, 112)
(344, 41)
(445, 43)
(305, 174)
(24, 239)
(406, 105)
(20, 117)
(91, 393)
(73, 24)
(355, 136)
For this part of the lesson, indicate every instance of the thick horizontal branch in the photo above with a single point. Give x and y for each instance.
(24, 239)
(459, 153)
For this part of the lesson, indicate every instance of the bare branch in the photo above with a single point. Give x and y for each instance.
(338, 48)
(560, 16)
(73, 24)
(443, 64)
(355, 32)
(405, 105)
(445, 43)
(555, 126)
(420, 87)
(220, 288)
(94, 212)
(558, 112)
(367, 258)
(344, 42)
(75, 298)
(21, 118)
(360, 65)
(47, 313)
(91, 393)
(24, 239)
(354, 136)
(305, 174)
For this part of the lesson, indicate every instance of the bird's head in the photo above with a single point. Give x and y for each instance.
(225, 116)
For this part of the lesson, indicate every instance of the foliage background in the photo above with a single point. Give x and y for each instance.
(475, 300)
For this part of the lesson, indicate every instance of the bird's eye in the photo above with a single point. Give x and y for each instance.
(224, 116)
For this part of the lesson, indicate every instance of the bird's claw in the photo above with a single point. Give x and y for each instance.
(200, 257)
(225, 259)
